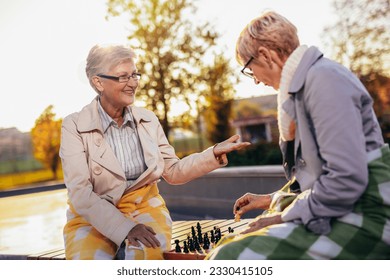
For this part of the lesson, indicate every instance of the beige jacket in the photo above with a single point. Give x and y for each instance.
(95, 179)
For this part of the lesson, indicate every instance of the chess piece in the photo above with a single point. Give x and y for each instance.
(237, 217)
(212, 238)
(196, 245)
(200, 235)
(230, 230)
(191, 245)
(206, 242)
(218, 235)
(185, 247)
(193, 232)
(206, 239)
(177, 248)
(200, 238)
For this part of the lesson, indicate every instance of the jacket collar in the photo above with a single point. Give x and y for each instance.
(140, 115)
(89, 118)
(308, 59)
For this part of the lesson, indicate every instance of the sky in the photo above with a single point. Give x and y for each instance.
(44, 44)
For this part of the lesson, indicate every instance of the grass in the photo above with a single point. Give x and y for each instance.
(188, 146)
(20, 179)
(19, 165)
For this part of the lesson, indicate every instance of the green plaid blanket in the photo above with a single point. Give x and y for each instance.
(361, 234)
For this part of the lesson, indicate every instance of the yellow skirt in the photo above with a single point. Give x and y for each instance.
(144, 205)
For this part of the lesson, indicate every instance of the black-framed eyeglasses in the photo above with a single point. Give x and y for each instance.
(248, 72)
(121, 79)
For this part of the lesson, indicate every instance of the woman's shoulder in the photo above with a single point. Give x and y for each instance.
(143, 113)
(325, 68)
(87, 114)
(70, 120)
(328, 75)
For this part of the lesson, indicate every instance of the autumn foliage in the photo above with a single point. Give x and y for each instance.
(46, 137)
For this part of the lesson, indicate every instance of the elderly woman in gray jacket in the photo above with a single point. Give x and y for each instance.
(337, 202)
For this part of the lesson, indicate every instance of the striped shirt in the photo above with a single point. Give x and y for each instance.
(125, 143)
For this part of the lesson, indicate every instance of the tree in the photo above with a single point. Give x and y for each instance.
(46, 137)
(172, 51)
(219, 96)
(246, 109)
(360, 37)
(360, 40)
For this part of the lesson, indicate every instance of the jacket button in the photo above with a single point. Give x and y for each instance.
(97, 170)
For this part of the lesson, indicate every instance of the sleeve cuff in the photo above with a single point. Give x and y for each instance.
(299, 209)
(122, 231)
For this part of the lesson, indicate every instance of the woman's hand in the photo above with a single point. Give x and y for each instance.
(229, 145)
(250, 201)
(143, 234)
(263, 222)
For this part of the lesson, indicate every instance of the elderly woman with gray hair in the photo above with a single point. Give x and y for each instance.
(112, 156)
(336, 204)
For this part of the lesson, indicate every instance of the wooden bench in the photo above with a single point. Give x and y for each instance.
(180, 230)
(56, 254)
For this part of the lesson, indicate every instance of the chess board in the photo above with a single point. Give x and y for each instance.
(185, 230)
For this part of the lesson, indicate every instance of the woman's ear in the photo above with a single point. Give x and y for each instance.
(265, 53)
(276, 59)
(98, 84)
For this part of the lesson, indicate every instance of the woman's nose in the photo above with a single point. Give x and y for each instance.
(132, 82)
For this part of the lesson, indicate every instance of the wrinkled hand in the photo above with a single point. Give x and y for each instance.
(263, 222)
(250, 201)
(144, 234)
(229, 145)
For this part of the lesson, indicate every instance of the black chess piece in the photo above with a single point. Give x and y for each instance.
(196, 245)
(198, 228)
(212, 238)
(206, 238)
(200, 237)
(218, 235)
(206, 242)
(193, 231)
(191, 245)
(185, 247)
(177, 248)
(230, 230)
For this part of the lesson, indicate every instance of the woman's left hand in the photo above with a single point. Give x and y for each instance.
(263, 222)
(229, 145)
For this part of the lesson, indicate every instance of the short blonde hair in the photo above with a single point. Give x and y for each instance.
(102, 58)
(269, 30)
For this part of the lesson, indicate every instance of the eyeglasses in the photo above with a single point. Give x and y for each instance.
(121, 79)
(248, 72)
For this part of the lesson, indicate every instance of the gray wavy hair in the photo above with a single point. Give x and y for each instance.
(269, 30)
(102, 58)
